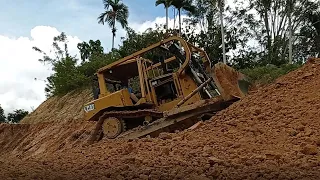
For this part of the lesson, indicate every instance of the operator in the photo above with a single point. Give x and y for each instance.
(95, 88)
(124, 85)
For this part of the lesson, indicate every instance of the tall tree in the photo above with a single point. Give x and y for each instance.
(167, 4)
(88, 49)
(314, 18)
(118, 12)
(221, 4)
(66, 75)
(206, 13)
(185, 5)
(2, 116)
(290, 6)
(271, 28)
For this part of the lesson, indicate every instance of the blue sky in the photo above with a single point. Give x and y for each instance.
(75, 17)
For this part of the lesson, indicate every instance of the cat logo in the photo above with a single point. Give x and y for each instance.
(89, 107)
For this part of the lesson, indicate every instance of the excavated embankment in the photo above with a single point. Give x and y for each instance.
(273, 133)
(56, 109)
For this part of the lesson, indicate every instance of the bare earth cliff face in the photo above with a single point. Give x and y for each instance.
(273, 133)
(68, 107)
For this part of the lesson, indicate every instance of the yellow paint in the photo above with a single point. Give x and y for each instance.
(117, 99)
(177, 85)
(187, 86)
(102, 85)
(168, 106)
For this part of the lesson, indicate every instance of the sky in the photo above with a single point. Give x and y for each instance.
(25, 24)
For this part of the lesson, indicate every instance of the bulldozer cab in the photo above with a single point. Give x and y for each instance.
(140, 82)
(124, 79)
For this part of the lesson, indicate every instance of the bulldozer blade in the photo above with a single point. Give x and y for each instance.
(231, 83)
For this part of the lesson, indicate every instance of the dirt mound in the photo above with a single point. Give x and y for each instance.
(28, 140)
(67, 107)
(271, 134)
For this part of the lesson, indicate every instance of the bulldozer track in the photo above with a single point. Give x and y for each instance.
(132, 114)
(97, 132)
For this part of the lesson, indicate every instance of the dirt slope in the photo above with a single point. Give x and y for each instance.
(67, 107)
(271, 134)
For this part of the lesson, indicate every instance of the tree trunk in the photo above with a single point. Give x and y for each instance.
(222, 35)
(113, 36)
(290, 32)
(174, 17)
(266, 22)
(113, 33)
(290, 41)
(179, 10)
(167, 19)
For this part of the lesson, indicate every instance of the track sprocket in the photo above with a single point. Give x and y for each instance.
(113, 127)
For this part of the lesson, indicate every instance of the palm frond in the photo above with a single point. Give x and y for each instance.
(177, 3)
(106, 3)
(102, 17)
(189, 7)
(122, 15)
(185, 5)
(110, 18)
(122, 20)
(158, 2)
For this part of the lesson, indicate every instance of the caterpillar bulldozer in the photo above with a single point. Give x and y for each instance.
(165, 87)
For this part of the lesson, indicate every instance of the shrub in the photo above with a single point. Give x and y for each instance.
(267, 74)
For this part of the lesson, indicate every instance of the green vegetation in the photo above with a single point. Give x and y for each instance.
(17, 115)
(267, 74)
(226, 34)
(14, 117)
(2, 116)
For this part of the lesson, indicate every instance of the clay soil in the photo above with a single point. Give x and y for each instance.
(273, 133)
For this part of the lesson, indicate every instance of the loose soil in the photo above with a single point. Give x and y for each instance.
(273, 133)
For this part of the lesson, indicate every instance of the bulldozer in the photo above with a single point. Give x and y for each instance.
(173, 89)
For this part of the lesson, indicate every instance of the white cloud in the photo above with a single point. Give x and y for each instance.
(19, 66)
(159, 21)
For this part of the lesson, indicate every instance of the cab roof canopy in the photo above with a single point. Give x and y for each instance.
(123, 71)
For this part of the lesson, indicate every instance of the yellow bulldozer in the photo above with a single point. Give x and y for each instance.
(174, 89)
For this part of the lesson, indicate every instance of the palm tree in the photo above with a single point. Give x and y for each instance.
(167, 4)
(185, 5)
(118, 13)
